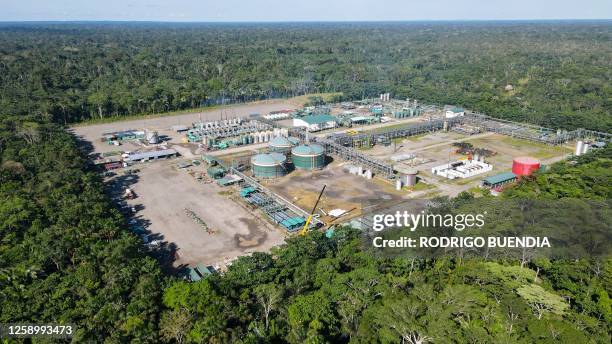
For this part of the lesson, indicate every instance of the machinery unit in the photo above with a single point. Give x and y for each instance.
(308, 157)
(525, 165)
(461, 169)
(269, 165)
(152, 137)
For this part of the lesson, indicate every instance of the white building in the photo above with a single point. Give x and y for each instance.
(278, 115)
(315, 122)
(455, 112)
(462, 169)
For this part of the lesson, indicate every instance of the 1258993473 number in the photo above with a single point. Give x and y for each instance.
(36, 330)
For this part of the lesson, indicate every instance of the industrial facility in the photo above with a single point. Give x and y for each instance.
(267, 168)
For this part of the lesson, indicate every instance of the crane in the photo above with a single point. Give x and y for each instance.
(303, 232)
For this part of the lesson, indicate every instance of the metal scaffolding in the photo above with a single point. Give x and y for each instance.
(531, 132)
(351, 154)
(220, 131)
(273, 204)
(396, 132)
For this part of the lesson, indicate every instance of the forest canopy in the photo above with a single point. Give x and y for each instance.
(66, 256)
(555, 74)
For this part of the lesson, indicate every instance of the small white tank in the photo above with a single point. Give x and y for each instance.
(585, 148)
(579, 146)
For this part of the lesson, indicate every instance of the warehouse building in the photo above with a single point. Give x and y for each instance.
(499, 180)
(315, 122)
(152, 155)
(126, 135)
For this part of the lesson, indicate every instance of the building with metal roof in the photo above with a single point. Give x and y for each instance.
(193, 274)
(499, 180)
(315, 122)
(229, 179)
(151, 155)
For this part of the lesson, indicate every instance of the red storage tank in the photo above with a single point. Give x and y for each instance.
(525, 165)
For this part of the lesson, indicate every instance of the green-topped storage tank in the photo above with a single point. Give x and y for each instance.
(281, 144)
(269, 165)
(308, 157)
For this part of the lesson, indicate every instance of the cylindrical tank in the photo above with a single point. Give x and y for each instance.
(269, 165)
(578, 148)
(398, 185)
(308, 157)
(585, 148)
(411, 178)
(283, 144)
(524, 166)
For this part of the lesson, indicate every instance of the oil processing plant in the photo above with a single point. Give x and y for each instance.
(381, 150)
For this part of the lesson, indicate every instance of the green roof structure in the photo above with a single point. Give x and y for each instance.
(318, 119)
(247, 191)
(500, 178)
(203, 270)
(308, 150)
(272, 159)
(193, 275)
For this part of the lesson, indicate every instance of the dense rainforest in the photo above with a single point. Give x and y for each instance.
(555, 74)
(66, 256)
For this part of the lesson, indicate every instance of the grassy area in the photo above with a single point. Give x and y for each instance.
(146, 116)
(327, 97)
(476, 191)
(422, 186)
(535, 149)
(391, 127)
(415, 137)
(298, 101)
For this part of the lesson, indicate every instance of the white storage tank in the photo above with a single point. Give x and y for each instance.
(579, 145)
